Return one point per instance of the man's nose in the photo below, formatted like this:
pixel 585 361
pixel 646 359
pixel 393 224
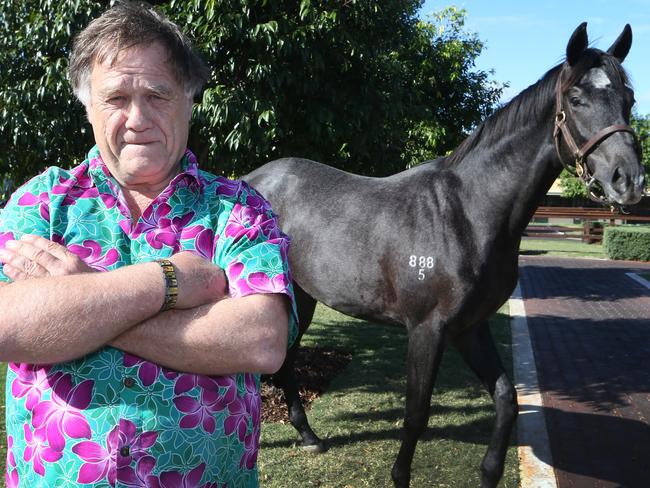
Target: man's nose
pixel 137 117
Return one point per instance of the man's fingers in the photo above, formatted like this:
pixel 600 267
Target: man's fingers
pixel 29 251
pixel 53 248
pixel 20 268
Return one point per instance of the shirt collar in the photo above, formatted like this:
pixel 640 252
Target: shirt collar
pixel 189 170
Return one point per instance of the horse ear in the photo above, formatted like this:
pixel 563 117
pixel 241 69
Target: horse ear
pixel 622 44
pixel 577 44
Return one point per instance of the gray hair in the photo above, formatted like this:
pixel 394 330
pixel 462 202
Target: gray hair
pixel 125 25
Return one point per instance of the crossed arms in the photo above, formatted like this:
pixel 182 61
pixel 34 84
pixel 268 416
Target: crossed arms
pixel 58 309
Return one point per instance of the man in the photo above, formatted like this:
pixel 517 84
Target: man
pixel 140 296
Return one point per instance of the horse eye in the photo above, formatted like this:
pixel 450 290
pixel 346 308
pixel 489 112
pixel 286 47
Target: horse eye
pixel 575 101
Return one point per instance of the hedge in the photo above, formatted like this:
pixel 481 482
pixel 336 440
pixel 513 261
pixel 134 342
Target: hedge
pixel 630 242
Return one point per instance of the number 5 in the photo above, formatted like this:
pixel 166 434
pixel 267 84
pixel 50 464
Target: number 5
pixel 421 274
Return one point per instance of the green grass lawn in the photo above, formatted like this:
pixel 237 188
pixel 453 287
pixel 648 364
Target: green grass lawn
pixel 361 414
pixel 566 248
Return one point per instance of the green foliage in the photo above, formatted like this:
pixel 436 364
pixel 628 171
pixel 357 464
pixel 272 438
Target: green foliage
pixel 627 242
pixel 362 85
pixel 40 123
pixel 572 187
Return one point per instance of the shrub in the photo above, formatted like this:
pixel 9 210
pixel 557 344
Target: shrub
pixel 627 242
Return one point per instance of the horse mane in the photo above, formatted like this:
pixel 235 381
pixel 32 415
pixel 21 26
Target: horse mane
pixel 534 99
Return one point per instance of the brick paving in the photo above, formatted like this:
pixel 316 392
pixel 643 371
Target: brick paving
pixel 590 332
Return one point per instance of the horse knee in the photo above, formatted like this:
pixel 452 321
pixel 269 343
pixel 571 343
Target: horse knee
pixel 505 398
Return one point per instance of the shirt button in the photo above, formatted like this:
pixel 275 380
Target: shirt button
pixel 128 382
pixel 124 452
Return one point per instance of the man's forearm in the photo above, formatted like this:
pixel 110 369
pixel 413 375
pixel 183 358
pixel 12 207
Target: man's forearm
pixel 233 335
pixel 57 319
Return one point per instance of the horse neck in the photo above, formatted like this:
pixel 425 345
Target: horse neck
pixel 508 174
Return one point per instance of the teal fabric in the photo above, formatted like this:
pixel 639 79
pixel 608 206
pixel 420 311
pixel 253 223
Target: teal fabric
pixel 114 419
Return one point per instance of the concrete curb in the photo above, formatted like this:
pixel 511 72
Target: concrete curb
pixel 534 446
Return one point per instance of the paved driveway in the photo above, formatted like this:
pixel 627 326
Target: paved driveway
pixel 589 326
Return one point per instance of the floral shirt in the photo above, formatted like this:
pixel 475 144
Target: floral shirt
pixel 114 419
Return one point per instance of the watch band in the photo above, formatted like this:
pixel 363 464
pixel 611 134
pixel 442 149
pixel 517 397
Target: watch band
pixel 171 284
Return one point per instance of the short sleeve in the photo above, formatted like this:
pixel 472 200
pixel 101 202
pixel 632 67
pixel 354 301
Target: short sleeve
pixel 26 212
pixel 254 252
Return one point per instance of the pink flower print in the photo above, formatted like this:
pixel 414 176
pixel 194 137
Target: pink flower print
pixel 244 409
pixel 251 449
pixel 11 460
pixel 197 412
pixel 131 446
pixel 258 203
pixel 186 381
pixel 237 419
pixel 148 372
pixel 212 399
pixel 140 476
pixel 99 463
pixel 31 381
pixel 204 244
pixel 238 288
pixel 78 186
pixel 36 450
pixel 151 218
pixel 259 282
pixel 62 414
pixel 58 238
pixel 229 188
pixel 91 253
pixel 122 446
pixel 28 199
pixel 245 221
pixel 11 478
pixel 161 230
pixel 4 237
pixel 174 479
pixel 252 401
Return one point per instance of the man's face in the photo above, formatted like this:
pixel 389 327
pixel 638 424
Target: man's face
pixel 140 116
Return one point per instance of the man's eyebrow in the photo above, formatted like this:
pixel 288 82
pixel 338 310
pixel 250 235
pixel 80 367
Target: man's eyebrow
pixel 160 89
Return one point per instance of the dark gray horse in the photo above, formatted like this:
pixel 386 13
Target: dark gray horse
pixel 435 248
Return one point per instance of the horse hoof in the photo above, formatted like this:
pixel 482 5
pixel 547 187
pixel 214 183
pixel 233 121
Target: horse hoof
pixel 315 448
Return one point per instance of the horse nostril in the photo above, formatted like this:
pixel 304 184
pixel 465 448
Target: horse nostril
pixel 616 177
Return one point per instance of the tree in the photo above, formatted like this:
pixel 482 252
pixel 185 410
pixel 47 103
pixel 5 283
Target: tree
pixel 572 187
pixel 359 84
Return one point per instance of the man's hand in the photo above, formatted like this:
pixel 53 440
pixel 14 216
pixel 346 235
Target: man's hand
pixel 199 281
pixel 36 257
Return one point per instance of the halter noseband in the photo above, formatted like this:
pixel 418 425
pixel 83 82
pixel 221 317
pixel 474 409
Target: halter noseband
pixel 581 153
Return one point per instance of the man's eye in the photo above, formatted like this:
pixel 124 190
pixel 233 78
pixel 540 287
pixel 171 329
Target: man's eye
pixel 116 99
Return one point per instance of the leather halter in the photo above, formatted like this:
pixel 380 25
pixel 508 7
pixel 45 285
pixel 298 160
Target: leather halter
pixel 581 153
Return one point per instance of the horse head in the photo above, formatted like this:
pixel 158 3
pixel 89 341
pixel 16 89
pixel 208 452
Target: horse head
pixel 593 104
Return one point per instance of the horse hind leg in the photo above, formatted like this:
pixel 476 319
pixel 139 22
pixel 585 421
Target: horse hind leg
pixel 479 352
pixel 285 377
pixel 425 347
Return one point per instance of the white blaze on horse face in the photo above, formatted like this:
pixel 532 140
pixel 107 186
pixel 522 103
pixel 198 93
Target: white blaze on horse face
pixel 597 78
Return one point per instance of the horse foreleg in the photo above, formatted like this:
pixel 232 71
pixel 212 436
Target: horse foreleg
pixel 425 346
pixel 479 352
pixel 286 379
